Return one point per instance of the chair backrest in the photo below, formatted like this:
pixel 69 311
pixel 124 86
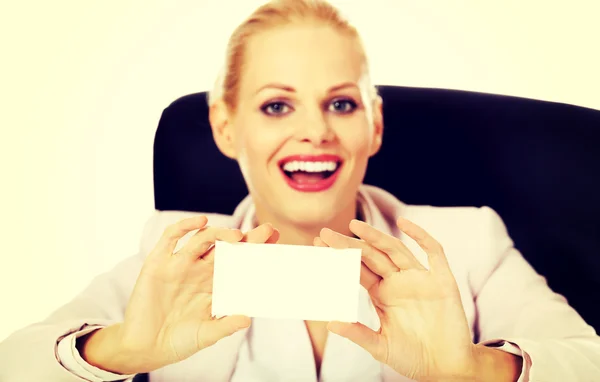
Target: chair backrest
pixel 536 163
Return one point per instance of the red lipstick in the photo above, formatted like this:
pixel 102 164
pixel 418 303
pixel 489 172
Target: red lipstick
pixel 311 181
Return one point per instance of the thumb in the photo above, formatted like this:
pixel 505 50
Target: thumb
pixel 222 327
pixel 360 334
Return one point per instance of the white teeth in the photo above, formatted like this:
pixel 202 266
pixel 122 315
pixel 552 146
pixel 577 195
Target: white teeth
pixel 294 166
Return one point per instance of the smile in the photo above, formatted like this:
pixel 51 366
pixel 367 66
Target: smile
pixel 310 173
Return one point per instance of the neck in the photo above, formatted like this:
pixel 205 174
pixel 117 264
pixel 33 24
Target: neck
pixel 291 232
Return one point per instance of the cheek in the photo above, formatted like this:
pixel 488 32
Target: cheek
pixel 258 143
pixel 356 139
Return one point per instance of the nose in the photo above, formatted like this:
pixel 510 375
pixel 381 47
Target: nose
pixel 315 129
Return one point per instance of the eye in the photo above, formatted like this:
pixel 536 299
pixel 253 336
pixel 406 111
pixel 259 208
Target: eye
pixel 275 108
pixel 342 106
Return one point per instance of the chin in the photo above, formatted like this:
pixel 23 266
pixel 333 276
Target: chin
pixel 313 211
pixel 307 220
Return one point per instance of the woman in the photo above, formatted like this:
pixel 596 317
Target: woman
pixel 296 109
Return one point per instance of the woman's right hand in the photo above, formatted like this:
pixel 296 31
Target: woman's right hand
pixel 168 318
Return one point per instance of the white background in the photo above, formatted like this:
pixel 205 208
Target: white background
pixel 83 83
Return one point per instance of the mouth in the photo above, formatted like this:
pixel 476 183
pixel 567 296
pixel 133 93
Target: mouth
pixel 311 173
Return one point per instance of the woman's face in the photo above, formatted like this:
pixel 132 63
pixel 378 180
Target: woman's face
pixel 301 131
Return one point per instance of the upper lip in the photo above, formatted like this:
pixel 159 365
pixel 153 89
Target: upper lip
pixel 310 158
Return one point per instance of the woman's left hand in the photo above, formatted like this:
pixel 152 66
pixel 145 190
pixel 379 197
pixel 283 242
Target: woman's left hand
pixel 424 333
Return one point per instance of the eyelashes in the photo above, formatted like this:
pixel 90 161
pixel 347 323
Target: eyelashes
pixel 343 106
pixel 277 108
pixel 281 108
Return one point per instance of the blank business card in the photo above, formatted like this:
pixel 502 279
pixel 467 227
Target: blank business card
pixel 286 281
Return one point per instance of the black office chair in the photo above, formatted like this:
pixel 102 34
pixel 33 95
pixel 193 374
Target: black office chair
pixel 536 163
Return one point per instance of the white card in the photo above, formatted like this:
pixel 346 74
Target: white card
pixel 286 281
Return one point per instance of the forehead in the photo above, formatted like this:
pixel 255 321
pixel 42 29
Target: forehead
pixel 302 56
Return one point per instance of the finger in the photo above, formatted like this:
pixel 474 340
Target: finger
pixel 259 234
pixel 274 237
pixel 433 249
pixel 368 279
pixel 265 233
pixel 204 239
pixel 361 335
pixel 377 261
pixel 317 242
pixel 174 232
pixel 253 236
pixel 220 328
pixel 400 255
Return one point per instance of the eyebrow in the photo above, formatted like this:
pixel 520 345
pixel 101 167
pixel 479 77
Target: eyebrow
pixel 292 90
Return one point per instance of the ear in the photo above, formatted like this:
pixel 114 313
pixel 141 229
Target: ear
pixel 222 129
pixel 377 138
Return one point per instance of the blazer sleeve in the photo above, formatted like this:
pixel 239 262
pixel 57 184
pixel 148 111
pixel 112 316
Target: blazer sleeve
pixel 517 311
pixel 31 353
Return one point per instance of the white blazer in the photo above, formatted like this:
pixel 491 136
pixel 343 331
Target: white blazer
pixel 506 302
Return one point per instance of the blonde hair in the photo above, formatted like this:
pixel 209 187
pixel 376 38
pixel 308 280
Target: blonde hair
pixel 277 13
